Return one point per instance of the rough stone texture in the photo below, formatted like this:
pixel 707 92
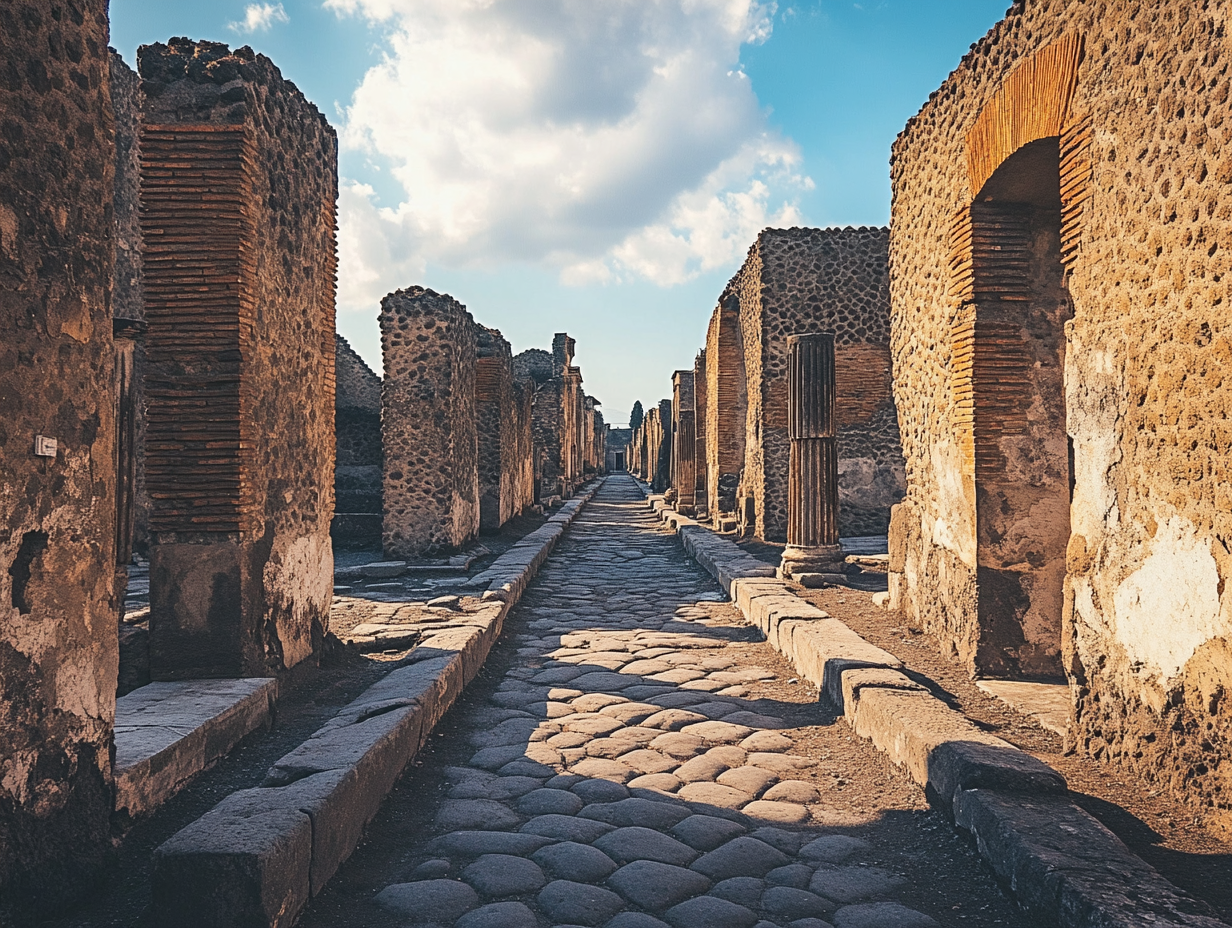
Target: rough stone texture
pixel 501 494
pixel 357 429
pixel 618 450
pixel 800 281
pixel 58 645
pixel 684 441
pixel 239 289
pixel 559 416
pixel 127 288
pixel 1140 623
pixel 699 434
pixel 428 426
pixel 726 406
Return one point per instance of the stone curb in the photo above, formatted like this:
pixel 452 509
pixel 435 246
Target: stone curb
pixel 1057 859
pixel 258 856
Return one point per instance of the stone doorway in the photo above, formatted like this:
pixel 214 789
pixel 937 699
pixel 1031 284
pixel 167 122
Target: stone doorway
pixel 1009 351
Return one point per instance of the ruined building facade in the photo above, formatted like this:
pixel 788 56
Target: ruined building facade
pixel 58 646
pixel 357 430
pixel 794 282
pixel 1060 218
pixel 239 184
pixel 506 444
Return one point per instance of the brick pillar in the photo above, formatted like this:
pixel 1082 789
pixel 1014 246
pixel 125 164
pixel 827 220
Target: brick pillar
pixel 431 479
pixel 494 411
pixel 684 442
pixel 700 492
pixel 238 190
pixel 127 333
pixel 812 481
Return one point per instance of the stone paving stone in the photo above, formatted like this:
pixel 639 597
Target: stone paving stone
pixel 637 811
pixel 679 745
pixel 648 761
pixel 712 794
pixel 431 870
pixel 496 757
pixel 673 720
pixel 744 890
pixel 566 828
pixel 710 912
pixel 635 842
pixel 499 915
pixel 566 901
pixel 785 813
pixel 786 902
pixel 602 769
pixel 752 780
pixel 504 875
pixel 597 702
pixel 600 790
pixel 466 814
pixel 743 856
pixel 658 782
pixel 706 832
pixel 796 876
pixel 550 801
pixel 766 741
pixel 578 862
pixel 630 713
pixel 635 920
pixel 833 849
pixel 792 791
pixel 854 884
pixel 881 915
pixel 442 901
pixel 718 732
pixel 704 769
pixel 477 843
pixel 652 885
pixel 809 923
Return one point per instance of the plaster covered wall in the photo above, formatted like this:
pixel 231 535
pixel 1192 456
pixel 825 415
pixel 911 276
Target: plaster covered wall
pixel 1144 170
pixel 797 281
pixel 239 187
pixel 428 423
pixel 58 641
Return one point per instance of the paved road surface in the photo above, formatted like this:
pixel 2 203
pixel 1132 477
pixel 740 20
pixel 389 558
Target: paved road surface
pixel 634 757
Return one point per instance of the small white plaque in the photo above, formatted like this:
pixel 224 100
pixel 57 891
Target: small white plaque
pixel 44 447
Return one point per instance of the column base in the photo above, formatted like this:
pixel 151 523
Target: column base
pixel 815 559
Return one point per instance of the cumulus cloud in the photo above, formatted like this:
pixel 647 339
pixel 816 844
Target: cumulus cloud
pixel 605 138
pixel 259 17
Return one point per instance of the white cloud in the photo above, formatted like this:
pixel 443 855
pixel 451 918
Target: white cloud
pixel 605 138
pixel 260 17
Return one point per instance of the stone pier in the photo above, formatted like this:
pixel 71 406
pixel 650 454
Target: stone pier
pixel 812 481
pixel 700 488
pixel 58 647
pixel 684 442
pixel 239 183
pixel 496 423
pixel 428 429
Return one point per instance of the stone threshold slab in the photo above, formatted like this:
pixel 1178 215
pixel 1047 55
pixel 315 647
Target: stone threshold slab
pixel 1059 861
pixel 1047 703
pixel 166 733
pixel 257 857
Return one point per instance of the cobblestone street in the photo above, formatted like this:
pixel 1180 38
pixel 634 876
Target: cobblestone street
pixel 635 756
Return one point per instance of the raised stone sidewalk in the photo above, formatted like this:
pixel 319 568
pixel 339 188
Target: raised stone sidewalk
pixel 1061 863
pixel 258 856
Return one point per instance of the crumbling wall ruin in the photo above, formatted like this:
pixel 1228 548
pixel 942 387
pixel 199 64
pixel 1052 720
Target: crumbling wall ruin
pixel 497 423
pixel 58 643
pixel 726 406
pixel 1109 117
pixel 799 281
pixel 239 185
pixel 428 423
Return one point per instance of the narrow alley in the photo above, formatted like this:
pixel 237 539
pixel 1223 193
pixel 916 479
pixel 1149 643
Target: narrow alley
pixel 635 755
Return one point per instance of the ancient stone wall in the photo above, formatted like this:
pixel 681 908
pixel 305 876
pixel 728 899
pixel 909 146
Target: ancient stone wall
pixel 620 450
pixel 726 407
pixel 684 433
pixel 1085 140
pixel 798 281
pixel 58 643
pixel 523 447
pixel 699 426
pixel 428 423
pixel 496 424
pixel 239 186
pixel 357 430
pixel 661 447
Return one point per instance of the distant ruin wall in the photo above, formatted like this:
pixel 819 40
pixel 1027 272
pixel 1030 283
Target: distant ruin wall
pixel 357 429
pixel 239 186
pixel 801 281
pixel 1127 104
pixel 496 425
pixel 58 643
pixel 428 423
pixel 726 406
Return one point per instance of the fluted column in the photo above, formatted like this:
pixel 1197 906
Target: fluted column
pixel 812 482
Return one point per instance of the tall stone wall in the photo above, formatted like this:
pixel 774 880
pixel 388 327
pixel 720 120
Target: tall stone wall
pixel 496 425
pixel 726 406
pixel 1083 140
pixel 357 432
pixel 798 281
pixel 523 447
pixel 428 423
pixel 684 434
pixel 58 643
pixel 239 186
pixel 700 413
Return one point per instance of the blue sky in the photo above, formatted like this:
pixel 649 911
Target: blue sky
pixel 592 166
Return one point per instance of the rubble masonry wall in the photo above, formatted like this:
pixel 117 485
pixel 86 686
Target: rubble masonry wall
pixel 58 643
pixel 357 431
pixel 428 423
pixel 1143 153
pixel 799 281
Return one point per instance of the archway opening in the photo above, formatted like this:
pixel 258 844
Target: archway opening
pixel 1021 449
